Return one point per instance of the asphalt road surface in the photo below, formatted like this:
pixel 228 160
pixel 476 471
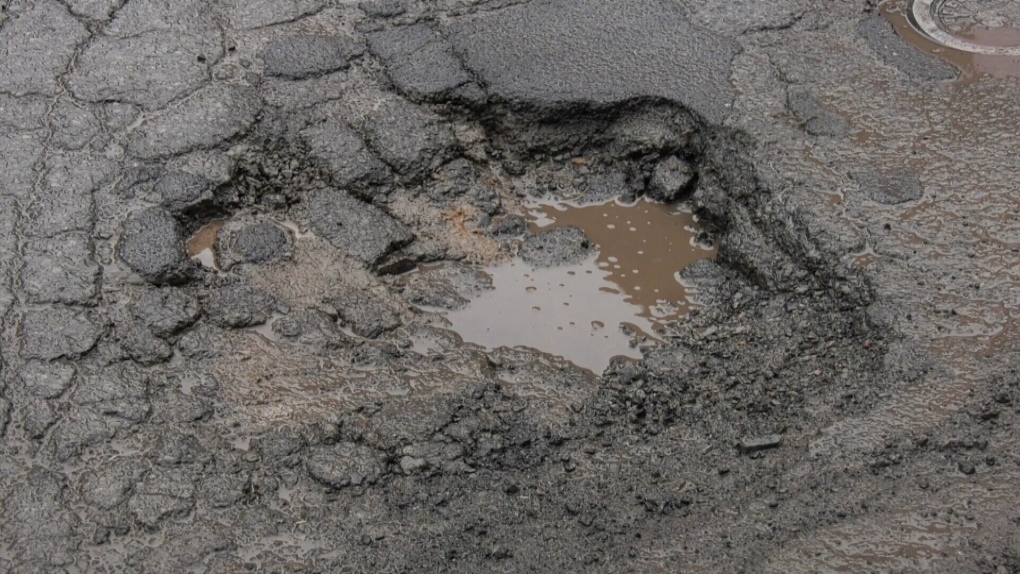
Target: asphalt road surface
pixel 232 231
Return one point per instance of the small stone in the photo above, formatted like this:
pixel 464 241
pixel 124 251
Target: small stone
pixel 501 553
pixel 989 414
pixel 966 467
pixel 672 178
pixel 259 243
pixel 151 245
pixel 410 464
pixel 561 246
pixel 750 445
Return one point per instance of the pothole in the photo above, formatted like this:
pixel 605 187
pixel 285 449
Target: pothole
pixel 604 307
pixel 980 37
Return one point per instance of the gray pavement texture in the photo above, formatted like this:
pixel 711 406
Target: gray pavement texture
pixel 844 398
pixel 422 64
pixel 569 53
pixel 298 57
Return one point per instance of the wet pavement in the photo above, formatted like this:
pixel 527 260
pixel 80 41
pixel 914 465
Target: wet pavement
pixel 359 380
pixel 959 39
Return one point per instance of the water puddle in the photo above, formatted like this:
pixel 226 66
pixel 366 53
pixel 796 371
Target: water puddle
pixel 980 42
pixel 602 308
pixel 202 245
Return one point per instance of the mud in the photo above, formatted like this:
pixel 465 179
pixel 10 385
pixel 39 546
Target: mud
pixel 844 396
pixel 202 245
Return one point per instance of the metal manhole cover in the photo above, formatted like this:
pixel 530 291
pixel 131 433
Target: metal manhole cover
pixel 978 26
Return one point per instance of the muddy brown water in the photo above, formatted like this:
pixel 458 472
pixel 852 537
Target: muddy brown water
pixel 603 308
pixel 972 65
pixel 202 245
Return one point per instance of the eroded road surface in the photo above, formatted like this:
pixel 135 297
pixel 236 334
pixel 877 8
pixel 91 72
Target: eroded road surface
pixel 328 286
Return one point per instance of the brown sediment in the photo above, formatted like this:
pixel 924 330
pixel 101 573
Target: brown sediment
pixel 972 65
pixel 202 245
pixel 600 309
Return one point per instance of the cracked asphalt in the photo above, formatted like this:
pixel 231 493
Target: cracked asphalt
pixel 844 398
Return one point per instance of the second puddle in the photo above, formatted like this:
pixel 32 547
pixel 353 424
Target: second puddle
pixel 583 312
pixel 202 245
